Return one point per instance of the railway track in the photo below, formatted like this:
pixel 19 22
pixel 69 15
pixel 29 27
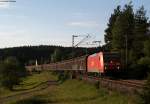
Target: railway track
pixel 127 86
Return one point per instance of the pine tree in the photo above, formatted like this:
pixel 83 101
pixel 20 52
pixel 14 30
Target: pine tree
pixel 140 34
pixel 122 32
pixel 11 72
pixel 147 48
pixel 145 96
pixel 56 56
pixel 108 31
pixel 123 28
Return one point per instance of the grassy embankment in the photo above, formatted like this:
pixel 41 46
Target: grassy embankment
pixel 29 83
pixel 69 92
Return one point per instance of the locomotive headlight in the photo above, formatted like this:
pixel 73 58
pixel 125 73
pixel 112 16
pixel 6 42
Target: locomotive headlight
pixel 118 67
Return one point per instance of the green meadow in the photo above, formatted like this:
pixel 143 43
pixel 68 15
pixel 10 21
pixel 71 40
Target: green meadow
pixel 43 88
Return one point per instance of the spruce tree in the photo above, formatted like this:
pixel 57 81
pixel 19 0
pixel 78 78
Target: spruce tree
pixel 140 34
pixel 108 32
pixel 145 96
pixel 11 72
pixel 122 32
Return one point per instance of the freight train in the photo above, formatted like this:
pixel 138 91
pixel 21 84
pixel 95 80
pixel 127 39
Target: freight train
pixel 101 62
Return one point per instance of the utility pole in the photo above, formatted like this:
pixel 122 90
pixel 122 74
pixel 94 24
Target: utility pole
pixel 126 39
pixel 73 36
pixel 99 43
pixel 83 40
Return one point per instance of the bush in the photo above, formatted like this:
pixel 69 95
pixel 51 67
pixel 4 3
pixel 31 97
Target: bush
pixel 144 65
pixel 145 96
pixel 62 76
pixel 137 71
pixel 97 84
pixel 145 61
pixel 11 72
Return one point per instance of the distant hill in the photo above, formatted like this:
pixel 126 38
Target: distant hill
pixel 42 53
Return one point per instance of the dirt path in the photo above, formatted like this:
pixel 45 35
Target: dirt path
pixel 41 89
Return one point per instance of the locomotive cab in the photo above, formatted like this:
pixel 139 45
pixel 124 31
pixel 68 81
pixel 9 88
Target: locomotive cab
pixel 103 62
pixel 112 62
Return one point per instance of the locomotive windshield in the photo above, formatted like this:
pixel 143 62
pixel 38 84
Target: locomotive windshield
pixel 109 57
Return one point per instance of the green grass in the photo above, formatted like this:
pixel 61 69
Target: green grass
pixel 78 92
pixel 35 80
pixel 29 83
pixel 68 92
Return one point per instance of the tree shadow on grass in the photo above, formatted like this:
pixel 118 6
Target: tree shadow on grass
pixel 40 100
pixel 77 100
pixel 43 85
pixel 51 99
pixel 46 83
pixel 27 84
pixel 34 100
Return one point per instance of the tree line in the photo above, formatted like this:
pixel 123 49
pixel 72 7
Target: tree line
pixel 44 53
pixel 13 60
pixel 128 32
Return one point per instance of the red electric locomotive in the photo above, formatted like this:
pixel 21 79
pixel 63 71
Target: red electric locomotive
pixel 103 62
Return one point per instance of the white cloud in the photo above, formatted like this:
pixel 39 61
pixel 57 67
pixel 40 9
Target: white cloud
pixel 79 15
pixel 84 24
pixel 12 34
pixel 19 16
pixel 4 5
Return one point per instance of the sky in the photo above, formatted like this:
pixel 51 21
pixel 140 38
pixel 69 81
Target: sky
pixel 53 22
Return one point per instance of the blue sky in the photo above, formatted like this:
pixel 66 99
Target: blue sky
pixel 53 22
